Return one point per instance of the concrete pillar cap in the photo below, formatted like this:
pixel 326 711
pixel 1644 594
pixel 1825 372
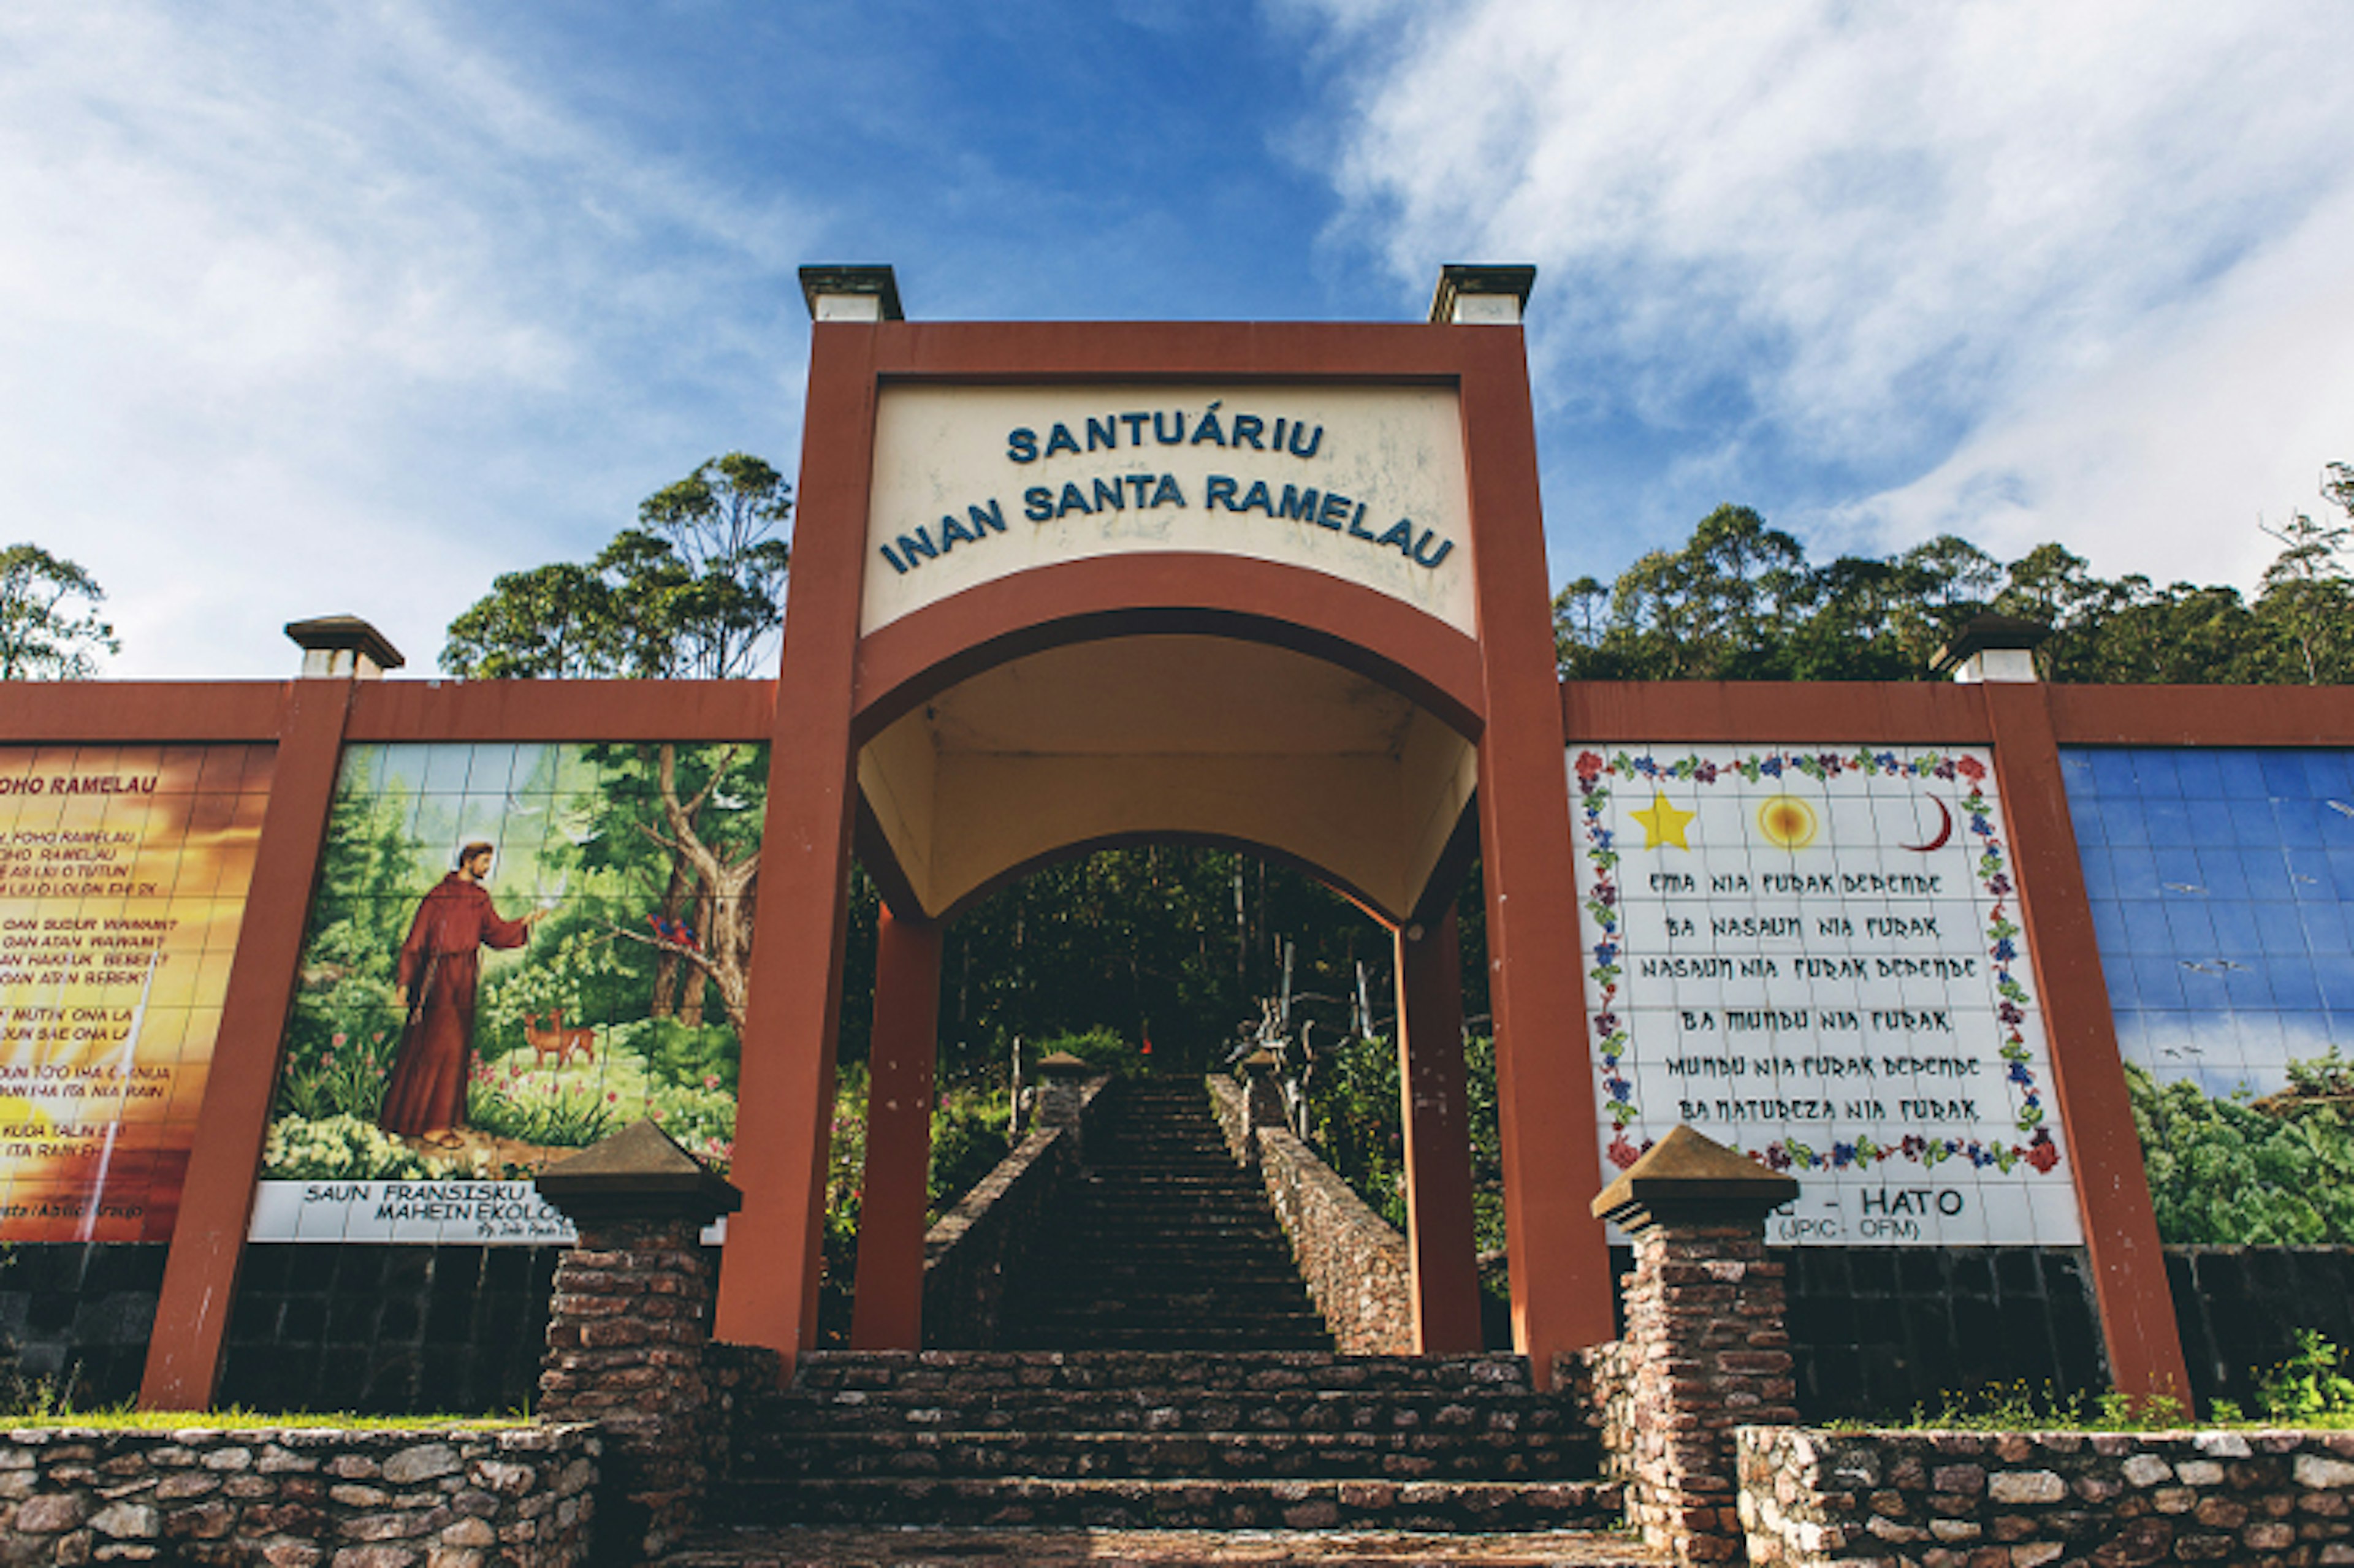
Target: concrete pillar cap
pixel 1687 1178
pixel 1505 289
pixel 1989 633
pixel 342 645
pixel 640 1172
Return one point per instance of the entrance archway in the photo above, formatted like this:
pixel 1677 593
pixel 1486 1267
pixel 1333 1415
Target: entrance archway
pixel 1220 737
pixel 1290 593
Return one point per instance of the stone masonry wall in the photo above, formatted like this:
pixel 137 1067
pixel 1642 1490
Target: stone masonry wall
pixel 975 1246
pixel 1704 1354
pixel 2023 1499
pixel 295 1499
pixel 1355 1263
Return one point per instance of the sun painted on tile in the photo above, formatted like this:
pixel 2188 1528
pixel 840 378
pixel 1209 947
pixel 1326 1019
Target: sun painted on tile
pixel 1787 823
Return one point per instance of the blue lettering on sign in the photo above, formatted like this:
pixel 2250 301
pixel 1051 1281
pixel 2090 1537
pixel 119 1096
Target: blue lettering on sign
pixel 1170 428
pixel 1327 509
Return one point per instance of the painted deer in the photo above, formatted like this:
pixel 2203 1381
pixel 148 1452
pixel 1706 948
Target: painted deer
pixel 556 1041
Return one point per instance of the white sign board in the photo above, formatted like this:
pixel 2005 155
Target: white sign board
pixel 432 1212
pixel 975 483
pixel 1813 954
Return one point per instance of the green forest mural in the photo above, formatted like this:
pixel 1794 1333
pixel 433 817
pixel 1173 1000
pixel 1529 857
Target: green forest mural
pixel 515 949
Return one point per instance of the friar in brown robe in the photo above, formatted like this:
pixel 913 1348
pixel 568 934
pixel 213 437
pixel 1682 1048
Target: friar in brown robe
pixel 426 1092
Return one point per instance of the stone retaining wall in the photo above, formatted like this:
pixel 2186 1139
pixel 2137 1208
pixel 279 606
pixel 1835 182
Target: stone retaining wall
pixel 296 1498
pixel 1355 1263
pixel 969 1252
pixel 2024 1498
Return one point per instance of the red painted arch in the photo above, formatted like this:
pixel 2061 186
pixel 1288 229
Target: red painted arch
pixel 1311 612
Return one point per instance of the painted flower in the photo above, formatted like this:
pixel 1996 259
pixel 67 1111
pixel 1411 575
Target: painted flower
pixel 1970 767
pixel 1590 766
pixel 1623 1154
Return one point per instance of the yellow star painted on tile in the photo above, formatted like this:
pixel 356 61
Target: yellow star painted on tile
pixel 1663 824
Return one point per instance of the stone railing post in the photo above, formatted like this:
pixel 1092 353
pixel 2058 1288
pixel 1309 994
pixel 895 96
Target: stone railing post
pixel 1263 1095
pixel 1706 1349
pixel 627 1329
pixel 1063 1081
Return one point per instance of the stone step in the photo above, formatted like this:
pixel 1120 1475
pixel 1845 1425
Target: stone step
pixel 1442 1506
pixel 1160 1410
pixel 1112 1334
pixel 1266 1373
pixel 817 1547
pixel 1167 1455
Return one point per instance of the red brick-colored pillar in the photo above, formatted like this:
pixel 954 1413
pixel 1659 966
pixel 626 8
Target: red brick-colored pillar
pixel 1439 1238
pixel 1705 1349
pixel 1544 1080
pixel 889 1312
pixel 2088 1077
pixel 183 1356
pixel 628 1326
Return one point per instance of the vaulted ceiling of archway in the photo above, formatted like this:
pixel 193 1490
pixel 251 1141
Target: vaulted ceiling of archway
pixel 1178 735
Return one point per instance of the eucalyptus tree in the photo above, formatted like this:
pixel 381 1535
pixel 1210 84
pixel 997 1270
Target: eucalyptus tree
pixel 50 626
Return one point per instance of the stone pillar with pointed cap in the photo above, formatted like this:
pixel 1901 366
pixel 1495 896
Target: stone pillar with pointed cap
pixel 1705 1349
pixel 628 1326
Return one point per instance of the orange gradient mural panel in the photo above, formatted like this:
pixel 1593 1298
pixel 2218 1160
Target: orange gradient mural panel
pixel 123 872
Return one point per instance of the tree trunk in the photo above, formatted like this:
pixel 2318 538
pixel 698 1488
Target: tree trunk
pixel 667 959
pixel 690 1003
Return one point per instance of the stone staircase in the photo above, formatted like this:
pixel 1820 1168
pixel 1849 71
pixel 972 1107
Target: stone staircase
pixel 1163 1242
pixel 1179 1388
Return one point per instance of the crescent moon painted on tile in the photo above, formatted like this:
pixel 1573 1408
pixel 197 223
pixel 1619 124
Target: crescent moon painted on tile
pixel 1945 830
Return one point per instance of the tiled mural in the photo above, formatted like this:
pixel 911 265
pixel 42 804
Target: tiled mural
pixel 2222 893
pixel 1814 954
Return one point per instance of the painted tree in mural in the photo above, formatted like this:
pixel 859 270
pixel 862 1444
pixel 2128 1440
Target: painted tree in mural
pixel 695 591
pixel 701 870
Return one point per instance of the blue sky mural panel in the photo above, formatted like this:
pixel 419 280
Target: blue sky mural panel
pixel 2220 882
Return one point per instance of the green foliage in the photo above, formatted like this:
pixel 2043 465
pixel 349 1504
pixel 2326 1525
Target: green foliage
pixel 970 1129
pixel 2309 1389
pixel 50 626
pixel 339 1148
pixel 545 1112
pixel 1356 1121
pixel 1739 601
pixel 694 590
pixel 2310 1385
pixel 2233 1172
pixel 969 1137
pixel 1106 1050
pixel 2019 1406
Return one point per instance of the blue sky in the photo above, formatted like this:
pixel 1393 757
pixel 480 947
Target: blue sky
pixel 351 307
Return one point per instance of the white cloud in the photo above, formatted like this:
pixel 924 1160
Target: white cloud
pixel 2061 256
pixel 305 312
